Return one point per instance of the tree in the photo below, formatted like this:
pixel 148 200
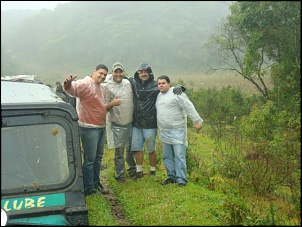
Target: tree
pixel 235 55
pixel 260 38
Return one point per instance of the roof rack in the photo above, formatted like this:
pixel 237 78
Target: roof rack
pixel 22 78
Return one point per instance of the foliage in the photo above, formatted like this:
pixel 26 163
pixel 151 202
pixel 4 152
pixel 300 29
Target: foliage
pixel 259 150
pixel 275 138
pixel 213 200
pixel 262 153
pixel 275 28
pixel 234 55
pixel 258 36
pixel 224 105
pixel 245 172
pixel 287 91
pixel 244 168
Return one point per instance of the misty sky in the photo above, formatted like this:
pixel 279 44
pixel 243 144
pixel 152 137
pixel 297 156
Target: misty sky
pixel 34 5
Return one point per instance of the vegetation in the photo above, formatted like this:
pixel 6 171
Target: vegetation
pixel 252 168
pixel 259 38
pixel 244 167
pixel 209 199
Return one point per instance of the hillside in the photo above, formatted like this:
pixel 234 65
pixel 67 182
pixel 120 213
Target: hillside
pixel 76 36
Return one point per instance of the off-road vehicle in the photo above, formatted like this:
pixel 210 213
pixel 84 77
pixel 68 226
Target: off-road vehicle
pixel 41 166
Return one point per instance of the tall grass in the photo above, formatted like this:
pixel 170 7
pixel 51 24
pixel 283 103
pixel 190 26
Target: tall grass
pixel 218 80
pixel 209 199
pixel 216 194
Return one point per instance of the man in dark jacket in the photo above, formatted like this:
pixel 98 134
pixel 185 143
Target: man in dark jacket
pixel 145 92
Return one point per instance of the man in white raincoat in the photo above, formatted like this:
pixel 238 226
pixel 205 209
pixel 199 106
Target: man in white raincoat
pixel 172 112
pixel 119 121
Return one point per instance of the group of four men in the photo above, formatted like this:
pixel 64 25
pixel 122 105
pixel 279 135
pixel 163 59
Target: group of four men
pixel 136 107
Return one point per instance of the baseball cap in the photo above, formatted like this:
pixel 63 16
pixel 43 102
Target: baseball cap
pixel 117 65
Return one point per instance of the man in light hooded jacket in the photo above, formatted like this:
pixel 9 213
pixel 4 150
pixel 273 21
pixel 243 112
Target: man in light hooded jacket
pixel 172 112
pixel 119 121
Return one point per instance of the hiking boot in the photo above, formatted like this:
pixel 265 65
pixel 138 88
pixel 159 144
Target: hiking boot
pixel 101 189
pixel 138 175
pixel 131 174
pixel 153 173
pixel 93 192
pixel 168 181
pixel 121 180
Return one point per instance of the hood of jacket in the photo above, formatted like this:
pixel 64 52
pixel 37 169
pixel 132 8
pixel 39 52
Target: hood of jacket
pixel 144 66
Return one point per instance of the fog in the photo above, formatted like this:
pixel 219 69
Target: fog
pixel 31 5
pixel 76 36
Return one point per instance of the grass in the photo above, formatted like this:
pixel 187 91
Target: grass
pixel 147 203
pixel 99 212
pixel 208 201
pixel 219 80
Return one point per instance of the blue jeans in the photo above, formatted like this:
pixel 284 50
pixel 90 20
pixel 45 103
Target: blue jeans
pixel 93 145
pixel 174 157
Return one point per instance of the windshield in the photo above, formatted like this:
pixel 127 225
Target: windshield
pixel 33 155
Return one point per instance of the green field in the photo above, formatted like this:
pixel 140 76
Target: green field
pixel 205 201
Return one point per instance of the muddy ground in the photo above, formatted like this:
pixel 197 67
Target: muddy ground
pixel 116 207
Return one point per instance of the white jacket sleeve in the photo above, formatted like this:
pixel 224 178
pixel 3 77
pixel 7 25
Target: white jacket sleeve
pixel 189 108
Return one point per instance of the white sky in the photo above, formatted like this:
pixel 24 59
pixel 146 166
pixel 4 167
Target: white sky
pixel 34 5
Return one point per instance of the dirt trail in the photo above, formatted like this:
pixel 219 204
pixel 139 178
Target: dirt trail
pixel 116 207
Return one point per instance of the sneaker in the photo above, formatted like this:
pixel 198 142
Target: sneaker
pixel 181 184
pixel 99 187
pixel 138 175
pixel 168 181
pixel 121 180
pixel 153 173
pixel 93 192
